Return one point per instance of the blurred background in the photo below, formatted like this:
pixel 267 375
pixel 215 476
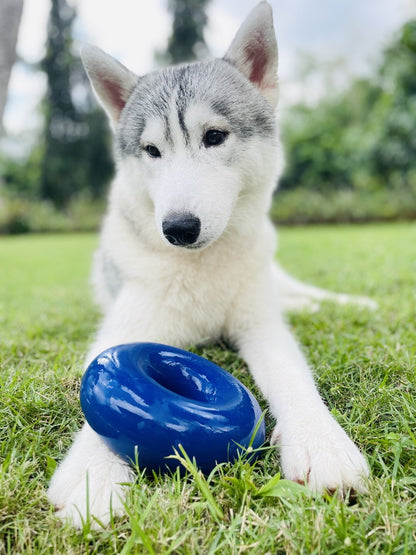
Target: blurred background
pixel 347 110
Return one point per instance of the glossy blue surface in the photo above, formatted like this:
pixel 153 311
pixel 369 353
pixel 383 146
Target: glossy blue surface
pixel 155 397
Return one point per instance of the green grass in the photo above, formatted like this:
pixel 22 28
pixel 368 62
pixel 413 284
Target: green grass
pixel 365 368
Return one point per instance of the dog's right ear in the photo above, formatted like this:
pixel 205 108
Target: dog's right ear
pixel 111 81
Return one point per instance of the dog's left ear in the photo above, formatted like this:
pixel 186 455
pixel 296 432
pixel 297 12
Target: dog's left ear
pixel 254 51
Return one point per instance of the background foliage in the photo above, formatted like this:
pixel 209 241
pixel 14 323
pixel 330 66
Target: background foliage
pixel 187 41
pixel 72 154
pixel 76 148
pixel 353 156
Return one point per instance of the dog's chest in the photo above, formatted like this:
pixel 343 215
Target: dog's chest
pixel 195 292
pixel 195 286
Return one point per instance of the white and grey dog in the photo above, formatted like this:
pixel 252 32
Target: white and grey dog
pixel 187 254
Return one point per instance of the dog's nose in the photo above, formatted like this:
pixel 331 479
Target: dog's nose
pixel 181 230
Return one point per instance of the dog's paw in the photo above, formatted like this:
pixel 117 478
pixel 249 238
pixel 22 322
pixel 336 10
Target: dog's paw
pixel 89 486
pixel 323 458
pixel 92 496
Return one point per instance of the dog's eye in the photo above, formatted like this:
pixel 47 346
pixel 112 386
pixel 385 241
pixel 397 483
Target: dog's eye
pixel 214 137
pixel 152 151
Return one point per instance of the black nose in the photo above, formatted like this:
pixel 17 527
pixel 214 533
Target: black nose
pixel 181 230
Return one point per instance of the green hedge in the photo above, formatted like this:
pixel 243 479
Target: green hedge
pixel 302 206
pixel 20 215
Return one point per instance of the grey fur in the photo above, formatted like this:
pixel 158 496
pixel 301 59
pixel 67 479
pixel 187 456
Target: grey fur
pixel 112 275
pixel 217 83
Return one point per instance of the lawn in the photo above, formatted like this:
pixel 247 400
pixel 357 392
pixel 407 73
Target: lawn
pixel 365 365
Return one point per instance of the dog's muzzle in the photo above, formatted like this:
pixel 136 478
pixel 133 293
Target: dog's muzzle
pixel 181 230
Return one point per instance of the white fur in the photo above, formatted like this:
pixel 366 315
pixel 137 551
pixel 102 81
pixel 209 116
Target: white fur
pixel 227 287
pixel 193 183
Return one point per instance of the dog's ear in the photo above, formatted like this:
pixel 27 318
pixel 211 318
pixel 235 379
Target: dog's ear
pixel 111 81
pixel 254 51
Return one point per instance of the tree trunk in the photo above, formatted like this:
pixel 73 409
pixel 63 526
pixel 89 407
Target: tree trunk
pixel 10 15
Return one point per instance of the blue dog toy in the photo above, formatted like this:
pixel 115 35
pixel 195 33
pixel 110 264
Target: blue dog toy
pixel 148 399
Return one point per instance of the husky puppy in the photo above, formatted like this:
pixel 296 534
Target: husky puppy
pixel 187 254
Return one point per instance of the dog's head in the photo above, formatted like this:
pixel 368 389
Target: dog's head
pixel 192 140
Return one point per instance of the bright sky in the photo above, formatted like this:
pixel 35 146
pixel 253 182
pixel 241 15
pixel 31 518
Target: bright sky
pixel 131 30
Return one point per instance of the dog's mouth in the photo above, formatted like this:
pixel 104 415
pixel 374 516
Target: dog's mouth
pixel 199 245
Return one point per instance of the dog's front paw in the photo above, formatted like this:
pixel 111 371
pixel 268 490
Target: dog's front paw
pixel 323 457
pixel 92 496
pixel 90 484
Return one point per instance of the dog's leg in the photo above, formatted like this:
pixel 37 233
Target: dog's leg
pixel 314 448
pixel 295 295
pixel 89 481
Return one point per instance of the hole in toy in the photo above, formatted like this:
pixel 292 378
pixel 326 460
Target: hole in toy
pixel 173 373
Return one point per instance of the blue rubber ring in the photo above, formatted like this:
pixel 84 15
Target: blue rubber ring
pixel 148 398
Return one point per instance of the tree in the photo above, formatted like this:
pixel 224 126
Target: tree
pixel 394 152
pixel 76 138
pixel 186 42
pixel 363 138
pixel 11 13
